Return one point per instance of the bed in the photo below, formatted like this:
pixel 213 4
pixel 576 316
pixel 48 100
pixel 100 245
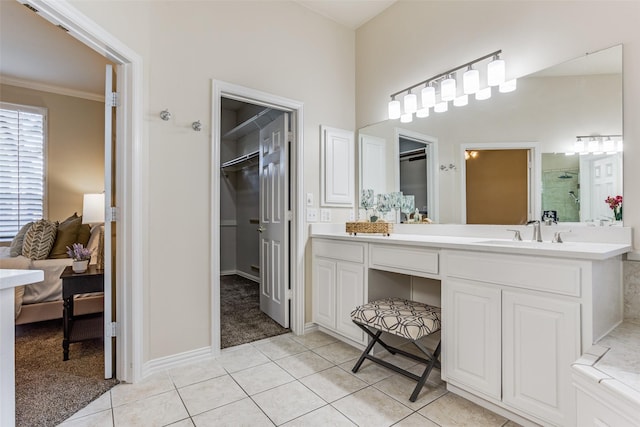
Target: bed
pixel 43 300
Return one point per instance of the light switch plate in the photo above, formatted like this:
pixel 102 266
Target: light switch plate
pixel 309 199
pixel 325 215
pixel 352 215
pixel 312 215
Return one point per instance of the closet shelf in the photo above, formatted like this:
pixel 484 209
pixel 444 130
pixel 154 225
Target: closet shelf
pixel 256 122
pixel 241 162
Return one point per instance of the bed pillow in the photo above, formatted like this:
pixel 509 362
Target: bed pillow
pixel 19 294
pixel 84 233
pixel 39 239
pixel 67 235
pixel 17 242
pixel 94 242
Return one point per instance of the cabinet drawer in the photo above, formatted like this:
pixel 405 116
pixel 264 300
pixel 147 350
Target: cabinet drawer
pixel 541 274
pixel 343 251
pixel 404 259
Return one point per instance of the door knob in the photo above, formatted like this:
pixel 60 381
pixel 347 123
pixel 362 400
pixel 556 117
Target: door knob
pixel 261 229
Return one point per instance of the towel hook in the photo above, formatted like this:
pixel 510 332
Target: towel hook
pixel 165 114
pixel 197 126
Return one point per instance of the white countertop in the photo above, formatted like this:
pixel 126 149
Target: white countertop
pixel 485 243
pixel 13 278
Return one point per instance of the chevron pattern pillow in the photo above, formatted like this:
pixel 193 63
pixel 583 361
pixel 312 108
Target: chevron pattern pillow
pixel 39 239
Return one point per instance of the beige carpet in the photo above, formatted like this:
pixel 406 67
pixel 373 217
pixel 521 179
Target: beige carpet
pixel 48 390
pixel 241 320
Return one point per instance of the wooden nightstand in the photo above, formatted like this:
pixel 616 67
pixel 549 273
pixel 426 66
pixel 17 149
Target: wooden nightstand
pixel 88 326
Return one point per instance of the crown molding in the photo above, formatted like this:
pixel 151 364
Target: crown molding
pixel 28 84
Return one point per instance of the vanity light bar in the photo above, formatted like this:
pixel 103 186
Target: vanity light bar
pixel 596 144
pixel 449 88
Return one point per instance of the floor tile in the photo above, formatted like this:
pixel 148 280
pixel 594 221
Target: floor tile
pixel 241 413
pixel 262 377
pixel 279 347
pixel 158 410
pixel 369 372
pixel 333 384
pixel 196 372
pixel 211 394
pixel 287 402
pixel 323 417
pixel 98 419
pixel 304 364
pixel 512 424
pixel 155 384
pixel 371 408
pixel 102 403
pixel 182 423
pixel 338 352
pixel 451 409
pixel 416 420
pixel 400 388
pixel 314 339
pixel 242 358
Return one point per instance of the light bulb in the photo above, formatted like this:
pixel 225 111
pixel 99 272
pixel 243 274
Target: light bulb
pixel 593 146
pixel 428 97
pixel 495 71
pixel 410 103
pixel 608 146
pixel 448 88
pixel 461 101
pixel 508 86
pixel 441 107
pixel 483 94
pixel 406 118
pixel 470 81
pixel 422 113
pixel 579 146
pixel 394 109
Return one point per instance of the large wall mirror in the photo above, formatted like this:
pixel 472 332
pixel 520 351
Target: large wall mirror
pixel 545 117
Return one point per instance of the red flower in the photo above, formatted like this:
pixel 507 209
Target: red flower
pixel 614 202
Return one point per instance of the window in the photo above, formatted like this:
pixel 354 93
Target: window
pixel 22 166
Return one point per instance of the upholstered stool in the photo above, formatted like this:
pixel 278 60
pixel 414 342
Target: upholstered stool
pixel 408 319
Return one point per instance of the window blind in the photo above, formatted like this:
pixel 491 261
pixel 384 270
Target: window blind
pixel 22 166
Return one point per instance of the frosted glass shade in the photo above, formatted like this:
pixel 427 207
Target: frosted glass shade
pixel 495 72
pixel 422 113
pixel 394 109
pixel 483 94
pixel 579 146
pixel 461 101
pixel 428 97
pixel 608 146
pixel 93 208
pixel 448 89
pixel 508 86
pixel 406 118
pixel 441 107
pixel 410 103
pixel 470 81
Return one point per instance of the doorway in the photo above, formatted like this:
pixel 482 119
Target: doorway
pixel 280 260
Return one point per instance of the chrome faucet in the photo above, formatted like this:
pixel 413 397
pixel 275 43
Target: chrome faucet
pixel 537 235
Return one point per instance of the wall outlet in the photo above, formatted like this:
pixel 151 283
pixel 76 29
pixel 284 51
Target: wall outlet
pixel 312 215
pixel 325 215
pixel 309 199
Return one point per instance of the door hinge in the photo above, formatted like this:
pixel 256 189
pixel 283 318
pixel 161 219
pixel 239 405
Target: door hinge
pixel 113 214
pixel 112 331
pixel 290 135
pixel 114 99
pixel 289 216
pixel 289 294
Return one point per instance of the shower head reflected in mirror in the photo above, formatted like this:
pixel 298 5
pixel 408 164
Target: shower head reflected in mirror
pixel 567 175
pixel 574 197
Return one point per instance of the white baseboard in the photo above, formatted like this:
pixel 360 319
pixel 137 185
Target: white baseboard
pixel 228 272
pixel 310 327
pixel 241 274
pixel 163 363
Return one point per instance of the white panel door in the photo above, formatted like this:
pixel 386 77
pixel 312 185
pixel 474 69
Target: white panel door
pixel 337 167
pixel 373 164
pixel 541 339
pixel 471 335
pixel 349 295
pixel 324 292
pixel 274 200
pixel 606 181
pixel 109 135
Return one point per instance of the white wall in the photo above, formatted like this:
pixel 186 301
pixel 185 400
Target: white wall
pixel 276 47
pixel 411 41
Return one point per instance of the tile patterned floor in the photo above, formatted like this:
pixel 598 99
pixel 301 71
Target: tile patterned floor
pixel 284 380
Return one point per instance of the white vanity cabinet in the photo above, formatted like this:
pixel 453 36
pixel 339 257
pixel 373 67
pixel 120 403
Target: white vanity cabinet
pixel 339 285
pixel 513 325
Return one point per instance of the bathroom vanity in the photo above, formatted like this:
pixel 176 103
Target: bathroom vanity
pixel 516 314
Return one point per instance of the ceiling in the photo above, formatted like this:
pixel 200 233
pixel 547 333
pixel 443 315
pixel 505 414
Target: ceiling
pixel 34 53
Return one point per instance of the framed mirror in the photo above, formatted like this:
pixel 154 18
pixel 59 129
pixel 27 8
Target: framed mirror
pixel 549 111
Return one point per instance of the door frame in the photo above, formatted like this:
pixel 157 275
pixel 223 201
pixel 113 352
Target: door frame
pixel 132 211
pixel 534 174
pixel 222 89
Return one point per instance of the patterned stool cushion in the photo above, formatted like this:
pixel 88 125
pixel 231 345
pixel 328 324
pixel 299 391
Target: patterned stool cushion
pixel 408 319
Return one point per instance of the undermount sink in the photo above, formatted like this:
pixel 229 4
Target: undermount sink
pixel 518 243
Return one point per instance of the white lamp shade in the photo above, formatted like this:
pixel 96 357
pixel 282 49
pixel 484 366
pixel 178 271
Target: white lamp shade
pixel 579 146
pixel 410 103
pixel 594 145
pixel 93 208
pixel 406 118
pixel 620 146
pixel 608 146
pixel 508 86
pixel 470 81
pixel 428 97
pixel 461 101
pixel 441 107
pixel 448 89
pixel 483 94
pixel 422 113
pixel 394 109
pixel 495 72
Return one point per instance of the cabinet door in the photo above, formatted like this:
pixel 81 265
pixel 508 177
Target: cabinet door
pixel 324 292
pixel 541 339
pixel 349 295
pixel 471 336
